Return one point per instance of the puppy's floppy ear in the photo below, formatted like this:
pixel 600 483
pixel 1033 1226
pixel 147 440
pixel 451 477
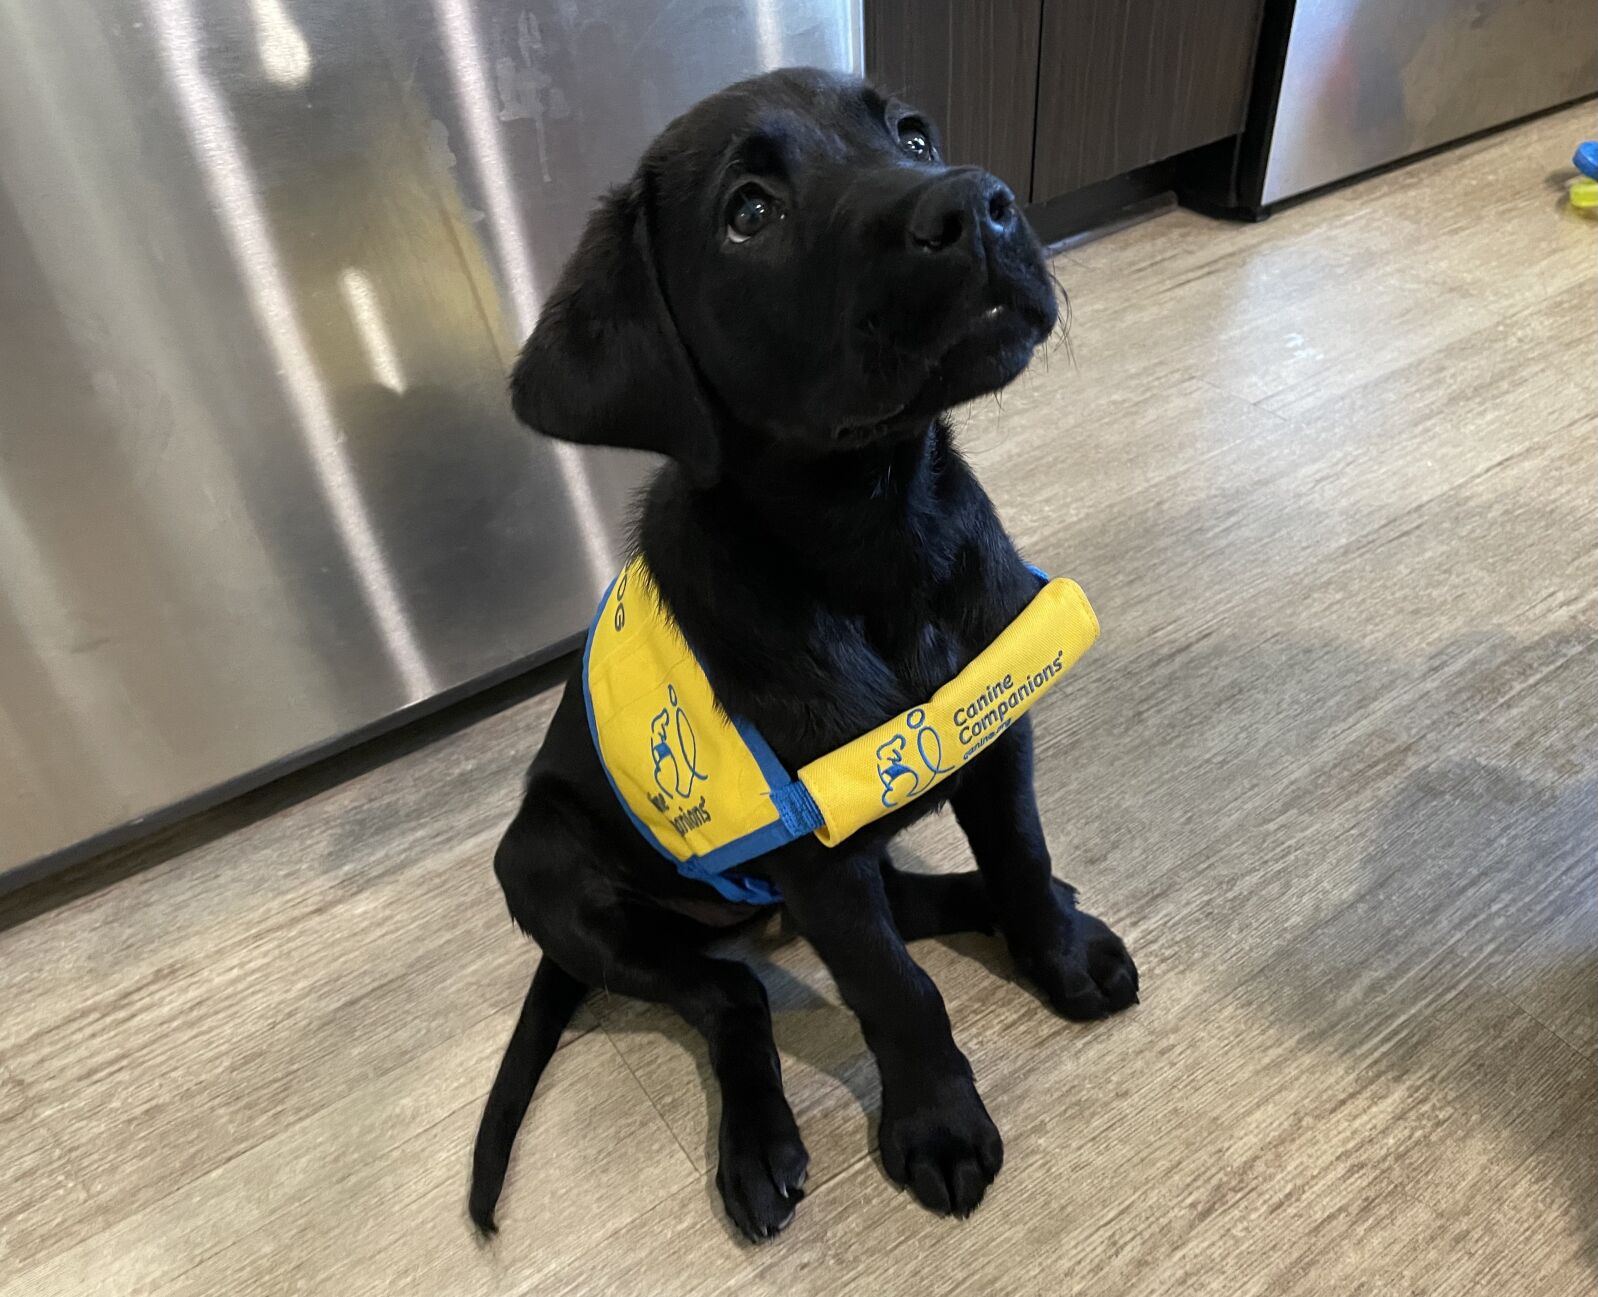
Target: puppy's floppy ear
pixel 605 365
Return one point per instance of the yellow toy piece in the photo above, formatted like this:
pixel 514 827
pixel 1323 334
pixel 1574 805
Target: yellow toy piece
pixel 1583 194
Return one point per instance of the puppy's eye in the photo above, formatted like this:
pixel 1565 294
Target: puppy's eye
pixel 749 211
pixel 913 140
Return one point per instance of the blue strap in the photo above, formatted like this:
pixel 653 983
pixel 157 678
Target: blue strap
pixel 743 888
pixel 800 814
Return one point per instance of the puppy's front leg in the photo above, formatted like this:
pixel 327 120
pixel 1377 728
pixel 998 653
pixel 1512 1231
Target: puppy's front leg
pixel 1072 957
pixel 936 1137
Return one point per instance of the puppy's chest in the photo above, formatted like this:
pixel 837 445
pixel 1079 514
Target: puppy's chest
pixel 869 673
pixel 920 658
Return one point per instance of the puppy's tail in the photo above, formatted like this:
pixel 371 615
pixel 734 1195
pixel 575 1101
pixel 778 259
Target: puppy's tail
pixel 551 1000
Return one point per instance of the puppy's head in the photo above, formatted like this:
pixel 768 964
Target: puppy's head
pixel 794 268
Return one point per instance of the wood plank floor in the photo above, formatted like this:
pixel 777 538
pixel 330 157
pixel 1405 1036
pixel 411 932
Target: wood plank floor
pixel 1330 481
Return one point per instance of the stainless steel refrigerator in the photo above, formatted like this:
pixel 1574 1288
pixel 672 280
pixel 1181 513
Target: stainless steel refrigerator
pixel 1345 86
pixel 263 267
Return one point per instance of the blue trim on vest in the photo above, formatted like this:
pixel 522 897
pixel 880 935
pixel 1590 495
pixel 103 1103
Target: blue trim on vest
pixel 714 866
pixel 774 772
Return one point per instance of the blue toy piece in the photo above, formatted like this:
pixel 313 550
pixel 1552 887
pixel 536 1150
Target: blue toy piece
pixel 1586 158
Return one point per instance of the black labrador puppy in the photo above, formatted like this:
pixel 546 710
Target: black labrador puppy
pixel 784 300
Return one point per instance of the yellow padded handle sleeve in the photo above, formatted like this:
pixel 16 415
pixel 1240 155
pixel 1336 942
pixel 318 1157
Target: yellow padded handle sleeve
pixel 904 758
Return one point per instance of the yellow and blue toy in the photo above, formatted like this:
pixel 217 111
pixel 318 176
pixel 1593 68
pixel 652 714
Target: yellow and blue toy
pixel 706 790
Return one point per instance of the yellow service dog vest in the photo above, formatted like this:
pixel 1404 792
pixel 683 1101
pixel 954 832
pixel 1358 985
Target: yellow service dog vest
pixel 706 790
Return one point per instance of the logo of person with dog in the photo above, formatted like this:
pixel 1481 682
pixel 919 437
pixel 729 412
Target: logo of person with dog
pixel 900 780
pixel 674 749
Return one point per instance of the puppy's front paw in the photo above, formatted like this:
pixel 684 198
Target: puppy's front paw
pixel 1085 972
pixel 761 1171
pixel 943 1147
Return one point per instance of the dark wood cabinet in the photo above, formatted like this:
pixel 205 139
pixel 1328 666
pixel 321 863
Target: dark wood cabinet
pixel 973 66
pixel 1123 83
pixel 1056 96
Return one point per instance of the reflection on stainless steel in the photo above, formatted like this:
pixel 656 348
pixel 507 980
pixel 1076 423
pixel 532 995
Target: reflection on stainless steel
pixel 768 24
pixel 263 266
pixel 473 97
pixel 284 54
pixel 230 180
pixel 475 100
pixel 361 298
pixel 1367 82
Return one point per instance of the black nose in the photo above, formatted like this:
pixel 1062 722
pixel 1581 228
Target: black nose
pixel 956 208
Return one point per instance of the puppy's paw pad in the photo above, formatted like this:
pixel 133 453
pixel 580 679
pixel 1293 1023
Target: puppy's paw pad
pixel 1090 975
pixel 947 1153
pixel 761 1177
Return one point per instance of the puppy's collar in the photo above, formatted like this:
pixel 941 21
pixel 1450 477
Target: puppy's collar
pixel 706 790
